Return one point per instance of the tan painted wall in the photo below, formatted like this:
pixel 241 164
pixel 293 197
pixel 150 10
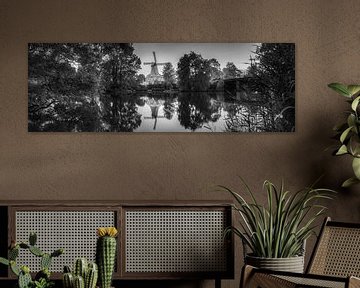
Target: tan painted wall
pixel 179 166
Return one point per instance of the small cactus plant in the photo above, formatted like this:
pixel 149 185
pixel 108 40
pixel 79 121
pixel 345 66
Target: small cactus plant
pixel 85 275
pixel 106 254
pixel 42 278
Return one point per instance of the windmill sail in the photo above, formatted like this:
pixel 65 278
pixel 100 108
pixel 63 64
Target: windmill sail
pixel 154 77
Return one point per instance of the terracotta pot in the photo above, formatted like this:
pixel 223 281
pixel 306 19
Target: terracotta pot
pixel 291 264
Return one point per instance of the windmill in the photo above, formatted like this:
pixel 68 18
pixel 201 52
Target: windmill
pixel 154 77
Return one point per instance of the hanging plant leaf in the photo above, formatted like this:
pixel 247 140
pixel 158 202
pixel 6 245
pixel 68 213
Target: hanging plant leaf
pixel 342 150
pixel 353 89
pixel 349 182
pixel 356 167
pixel 340 88
pixel 355 103
pixel 345 134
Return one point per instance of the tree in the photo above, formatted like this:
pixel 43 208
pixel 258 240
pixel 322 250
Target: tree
pixel 231 71
pixel 169 74
pixel 62 85
pixel 193 72
pixel 274 79
pixel 215 72
pixel 119 67
pixel 82 87
pixel 140 79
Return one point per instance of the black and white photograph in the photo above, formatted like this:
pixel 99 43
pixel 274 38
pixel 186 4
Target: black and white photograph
pixel 161 87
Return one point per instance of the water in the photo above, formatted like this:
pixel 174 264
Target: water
pixel 191 112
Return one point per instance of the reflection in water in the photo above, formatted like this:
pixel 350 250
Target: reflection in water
pixel 154 105
pixel 181 112
pixel 120 113
pixel 197 109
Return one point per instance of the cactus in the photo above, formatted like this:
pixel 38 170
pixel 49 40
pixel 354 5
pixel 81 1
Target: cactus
pixel 14 268
pixel 89 272
pixel 24 278
pixel 57 252
pixel 36 251
pixel 45 261
pixel 105 254
pixel 80 267
pixel 91 276
pixel 67 269
pixel 79 282
pixel 4 261
pixel 32 238
pixel 68 280
pixel 13 253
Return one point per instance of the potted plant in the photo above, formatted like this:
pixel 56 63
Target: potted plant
pixel 348 133
pixel 276 233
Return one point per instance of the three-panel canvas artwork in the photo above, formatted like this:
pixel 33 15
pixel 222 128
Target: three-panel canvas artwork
pixel 161 87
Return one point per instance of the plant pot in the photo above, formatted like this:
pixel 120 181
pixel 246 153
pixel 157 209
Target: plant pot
pixel 291 264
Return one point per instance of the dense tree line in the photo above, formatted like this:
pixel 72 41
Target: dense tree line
pixel 79 87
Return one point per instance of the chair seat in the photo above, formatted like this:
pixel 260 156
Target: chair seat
pixel 268 279
pixel 315 282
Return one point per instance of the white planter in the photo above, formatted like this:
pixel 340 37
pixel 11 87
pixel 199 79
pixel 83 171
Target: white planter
pixel 291 264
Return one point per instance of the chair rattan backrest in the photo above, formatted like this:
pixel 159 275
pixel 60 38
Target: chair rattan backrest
pixel 337 252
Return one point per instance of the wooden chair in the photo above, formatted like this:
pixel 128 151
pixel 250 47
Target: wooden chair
pixel 334 263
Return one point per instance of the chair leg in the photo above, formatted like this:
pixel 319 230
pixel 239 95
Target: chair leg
pixel 246 274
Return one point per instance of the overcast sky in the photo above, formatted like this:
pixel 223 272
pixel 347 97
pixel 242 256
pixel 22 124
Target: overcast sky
pixel 238 53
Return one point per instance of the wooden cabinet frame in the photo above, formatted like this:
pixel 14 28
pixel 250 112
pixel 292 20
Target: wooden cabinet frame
pixel 120 208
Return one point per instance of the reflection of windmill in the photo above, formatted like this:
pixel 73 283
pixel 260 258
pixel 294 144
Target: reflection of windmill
pixel 154 77
pixel 154 106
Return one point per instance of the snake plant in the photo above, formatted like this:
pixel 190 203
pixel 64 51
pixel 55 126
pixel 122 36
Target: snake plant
pixel 279 228
pixel 348 132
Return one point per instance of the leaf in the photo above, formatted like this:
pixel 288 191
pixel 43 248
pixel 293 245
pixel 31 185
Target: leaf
pixel 355 103
pixel 354 144
pixel 351 120
pixel 349 182
pixel 342 150
pixel 356 167
pixel 4 261
pixel 345 134
pixel 340 89
pixel 353 89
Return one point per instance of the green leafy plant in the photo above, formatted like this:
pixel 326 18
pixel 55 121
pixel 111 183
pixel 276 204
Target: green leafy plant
pixel 348 133
pixel 42 278
pixel 279 229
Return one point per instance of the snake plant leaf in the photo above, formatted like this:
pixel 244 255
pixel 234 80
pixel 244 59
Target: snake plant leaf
pixel 342 150
pixel 356 167
pixel 355 103
pixel 349 182
pixel 340 89
pixel 353 89
pixel 278 228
